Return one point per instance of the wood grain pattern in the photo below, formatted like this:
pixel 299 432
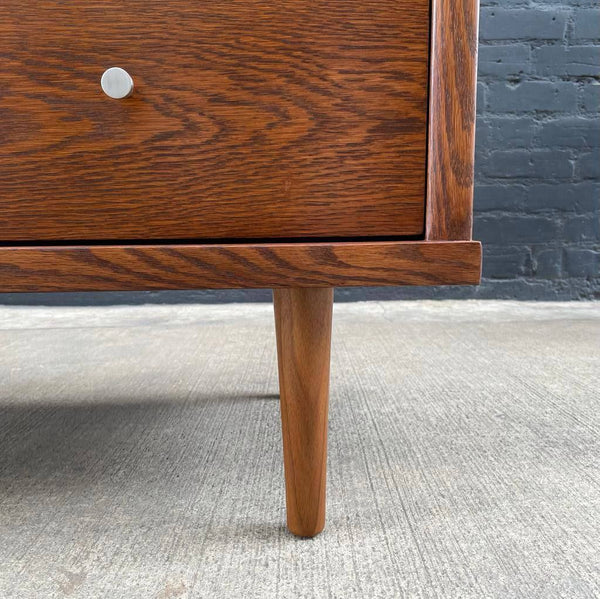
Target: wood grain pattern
pixel 250 119
pixel 303 329
pixel 451 149
pixel 122 268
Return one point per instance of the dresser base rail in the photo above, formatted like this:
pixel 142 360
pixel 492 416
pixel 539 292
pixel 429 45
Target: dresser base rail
pixel 264 265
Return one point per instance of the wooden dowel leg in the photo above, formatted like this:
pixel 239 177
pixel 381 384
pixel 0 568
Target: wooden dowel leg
pixel 303 328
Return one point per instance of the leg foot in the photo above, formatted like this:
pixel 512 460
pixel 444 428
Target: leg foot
pixel 303 327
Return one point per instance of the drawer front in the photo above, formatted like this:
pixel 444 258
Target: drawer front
pixel 249 119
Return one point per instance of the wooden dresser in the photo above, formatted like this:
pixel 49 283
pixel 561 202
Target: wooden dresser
pixel 293 145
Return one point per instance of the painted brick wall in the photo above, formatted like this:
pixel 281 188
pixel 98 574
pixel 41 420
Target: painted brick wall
pixel 537 164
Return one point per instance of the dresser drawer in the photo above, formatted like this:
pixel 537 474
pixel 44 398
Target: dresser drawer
pixel 249 119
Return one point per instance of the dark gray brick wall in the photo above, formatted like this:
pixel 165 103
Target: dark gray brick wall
pixel 537 163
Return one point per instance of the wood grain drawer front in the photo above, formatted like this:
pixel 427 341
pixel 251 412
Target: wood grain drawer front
pixel 249 119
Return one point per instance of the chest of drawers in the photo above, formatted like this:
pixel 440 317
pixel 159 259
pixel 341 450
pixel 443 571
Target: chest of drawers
pixel 292 145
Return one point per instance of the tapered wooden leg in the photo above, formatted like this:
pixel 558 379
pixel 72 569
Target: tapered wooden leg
pixel 303 327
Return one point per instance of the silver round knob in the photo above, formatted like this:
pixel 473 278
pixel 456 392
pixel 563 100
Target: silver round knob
pixel 116 83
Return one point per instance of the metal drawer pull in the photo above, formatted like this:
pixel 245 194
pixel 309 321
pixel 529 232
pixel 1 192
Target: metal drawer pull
pixel 116 83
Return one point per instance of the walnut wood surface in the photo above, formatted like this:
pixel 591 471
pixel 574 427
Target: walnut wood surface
pixel 303 327
pixel 452 119
pixel 114 268
pixel 250 119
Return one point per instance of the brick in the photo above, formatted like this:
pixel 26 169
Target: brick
pixel 510 131
pixel 507 24
pixel 501 61
pixel 588 165
pixel 562 61
pixel 571 132
pixel 547 263
pixel 540 164
pixel 506 262
pixel 582 262
pixel 563 197
pixel 532 96
pixel 586 24
pixel 498 197
pixel 515 229
pixel 505 3
pixel 582 228
pixel 572 3
pixel 508 164
pixel 591 97
pixel 482 134
pixel 481 98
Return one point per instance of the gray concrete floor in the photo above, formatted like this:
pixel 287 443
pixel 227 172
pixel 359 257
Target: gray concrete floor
pixel 140 453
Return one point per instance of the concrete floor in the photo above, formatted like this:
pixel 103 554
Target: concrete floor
pixel 140 454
